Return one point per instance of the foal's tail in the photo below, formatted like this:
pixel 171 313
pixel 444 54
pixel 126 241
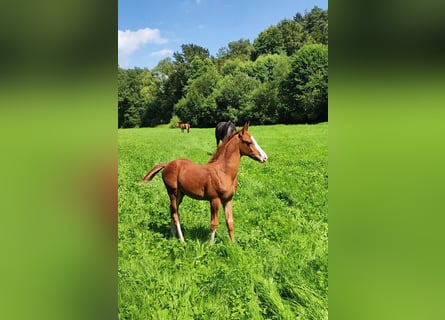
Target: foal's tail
pixel 152 172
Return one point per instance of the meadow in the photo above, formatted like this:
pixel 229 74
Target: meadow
pixel 277 267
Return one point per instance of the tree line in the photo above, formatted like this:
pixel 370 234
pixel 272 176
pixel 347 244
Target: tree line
pixel 282 77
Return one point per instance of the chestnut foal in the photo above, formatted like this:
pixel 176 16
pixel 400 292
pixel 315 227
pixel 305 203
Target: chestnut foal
pixel 215 181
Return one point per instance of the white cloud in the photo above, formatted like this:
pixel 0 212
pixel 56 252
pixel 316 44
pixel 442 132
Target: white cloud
pixel 130 41
pixel 161 53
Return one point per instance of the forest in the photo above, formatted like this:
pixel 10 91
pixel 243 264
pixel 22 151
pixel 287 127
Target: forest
pixel 280 78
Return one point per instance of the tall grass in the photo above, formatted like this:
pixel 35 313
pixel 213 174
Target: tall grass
pixel 277 268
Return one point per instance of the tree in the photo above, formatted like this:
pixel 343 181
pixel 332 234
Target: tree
pixel 151 86
pixel 240 49
pixel 316 24
pixel 198 105
pixel 281 77
pixel 232 67
pixel 233 96
pixel 122 103
pixel 298 17
pixel 269 41
pixel 173 89
pixel 130 98
pixel 294 35
pixel 271 70
pixel 304 93
pixel 190 51
pixel 164 68
pixel 270 67
pixel 265 106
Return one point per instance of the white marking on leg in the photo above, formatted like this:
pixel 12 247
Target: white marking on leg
pixel 263 154
pixel 212 237
pixel 178 229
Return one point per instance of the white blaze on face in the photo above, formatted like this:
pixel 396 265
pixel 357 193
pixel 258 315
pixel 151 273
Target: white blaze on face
pixel 263 154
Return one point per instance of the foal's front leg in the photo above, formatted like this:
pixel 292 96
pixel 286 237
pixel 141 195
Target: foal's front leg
pixel 215 204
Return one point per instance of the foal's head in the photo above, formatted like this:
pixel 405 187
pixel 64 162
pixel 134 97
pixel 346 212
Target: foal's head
pixel 249 147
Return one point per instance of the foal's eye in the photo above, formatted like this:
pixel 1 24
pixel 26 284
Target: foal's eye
pixel 248 142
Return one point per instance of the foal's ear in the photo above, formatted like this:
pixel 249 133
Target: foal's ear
pixel 246 126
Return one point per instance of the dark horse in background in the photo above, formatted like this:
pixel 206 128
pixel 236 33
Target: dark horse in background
pixel 184 126
pixel 224 129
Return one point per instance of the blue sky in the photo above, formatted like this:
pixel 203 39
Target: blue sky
pixel 150 30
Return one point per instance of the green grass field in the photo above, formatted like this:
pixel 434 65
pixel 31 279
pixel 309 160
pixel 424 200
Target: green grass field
pixel 276 269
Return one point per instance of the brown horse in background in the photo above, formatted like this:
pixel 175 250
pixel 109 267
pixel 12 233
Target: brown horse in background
pixel 215 181
pixel 184 126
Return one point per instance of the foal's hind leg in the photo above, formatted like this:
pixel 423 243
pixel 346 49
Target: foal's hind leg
pixel 229 218
pixel 175 201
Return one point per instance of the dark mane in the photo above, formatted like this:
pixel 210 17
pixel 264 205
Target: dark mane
pixel 222 146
